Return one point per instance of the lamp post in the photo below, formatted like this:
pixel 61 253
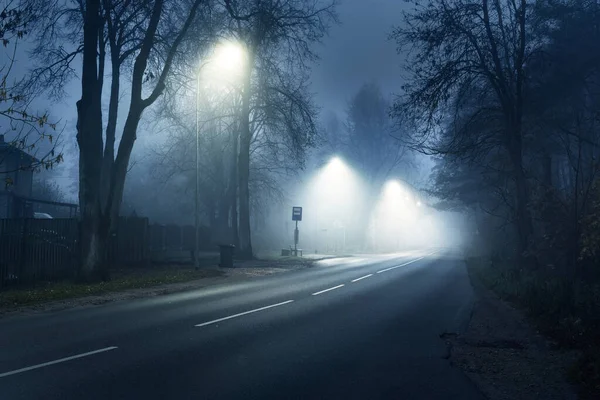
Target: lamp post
pixel 197 191
pixel 229 59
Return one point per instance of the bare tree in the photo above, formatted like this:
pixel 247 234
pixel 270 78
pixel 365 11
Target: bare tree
pixel 278 37
pixel 369 141
pixel 280 132
pixel 140 36
pixel 217 138
pixel 461 47
pixel 21 128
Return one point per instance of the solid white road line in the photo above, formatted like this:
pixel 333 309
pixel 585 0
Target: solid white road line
pixel 363 277
pixel 18 371
pixel 327 290
pixel 244 313
pixel 401 265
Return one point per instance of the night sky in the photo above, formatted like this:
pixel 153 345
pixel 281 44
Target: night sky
pixel 358 51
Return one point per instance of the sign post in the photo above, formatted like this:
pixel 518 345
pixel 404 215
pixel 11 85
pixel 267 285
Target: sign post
pixel 296 216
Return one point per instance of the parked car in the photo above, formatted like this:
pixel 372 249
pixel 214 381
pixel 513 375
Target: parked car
pixel 40 215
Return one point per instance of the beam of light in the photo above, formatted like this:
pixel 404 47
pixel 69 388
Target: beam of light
pixel 342 216
pixel 395 218
pixel 333 203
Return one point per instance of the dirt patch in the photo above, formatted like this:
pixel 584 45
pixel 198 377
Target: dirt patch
pixel 505 357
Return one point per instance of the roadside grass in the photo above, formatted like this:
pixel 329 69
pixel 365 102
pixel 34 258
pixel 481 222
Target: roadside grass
pixel 121 280
pixel 273 255
pixel 281 259
pixel 278 259
pixel 566 311
pixel 269 255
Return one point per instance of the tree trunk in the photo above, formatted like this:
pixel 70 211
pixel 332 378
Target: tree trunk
pixel 121 164
pixel 111 128
pixel 525 227
pixel 233 192
pixel 245 242
pixel 99 207
pixel 222 231
pixel 524 222
pixel 93 239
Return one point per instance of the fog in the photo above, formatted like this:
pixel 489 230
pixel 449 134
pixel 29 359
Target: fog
pixel 342 216
pixel 398 127
pixel 361 188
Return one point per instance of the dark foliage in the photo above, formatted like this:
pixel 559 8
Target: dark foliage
pixel 506 95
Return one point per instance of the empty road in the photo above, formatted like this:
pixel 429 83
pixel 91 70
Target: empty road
pixel 365 327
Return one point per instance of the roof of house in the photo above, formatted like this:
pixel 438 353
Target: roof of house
pixel 9 148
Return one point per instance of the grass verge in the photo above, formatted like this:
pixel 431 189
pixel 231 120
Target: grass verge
pixel 121 281
pixel 566 311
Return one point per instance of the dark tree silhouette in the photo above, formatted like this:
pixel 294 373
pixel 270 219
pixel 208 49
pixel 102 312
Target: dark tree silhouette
pixel 462 48
pixel 278 36
pixel 141 37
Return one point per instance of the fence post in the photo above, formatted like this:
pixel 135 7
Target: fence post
pixel 79 248
pixel 23 254
pixel 3 251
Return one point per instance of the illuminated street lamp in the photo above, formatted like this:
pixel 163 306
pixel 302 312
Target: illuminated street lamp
pixel 224 67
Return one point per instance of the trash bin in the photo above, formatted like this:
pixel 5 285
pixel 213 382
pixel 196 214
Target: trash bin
pixel 227 251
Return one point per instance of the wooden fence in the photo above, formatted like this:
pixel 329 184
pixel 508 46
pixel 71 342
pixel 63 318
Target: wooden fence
pixel 47 249
pixel 129 243
pixel 32 249
pixel 174 237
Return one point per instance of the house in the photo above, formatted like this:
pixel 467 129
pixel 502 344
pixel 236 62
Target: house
pixel 16 180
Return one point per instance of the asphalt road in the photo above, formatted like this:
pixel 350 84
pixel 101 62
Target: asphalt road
pixel 356 328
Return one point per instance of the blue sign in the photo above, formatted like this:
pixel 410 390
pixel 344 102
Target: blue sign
pixel 296 213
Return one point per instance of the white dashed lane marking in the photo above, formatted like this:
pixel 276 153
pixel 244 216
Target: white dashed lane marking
pixel 327 290
pixel 361 278
pixel 401 265
pixel 244 313
pixel 61 360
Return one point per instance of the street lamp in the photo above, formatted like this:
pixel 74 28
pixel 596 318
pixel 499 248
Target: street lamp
pixel 228 65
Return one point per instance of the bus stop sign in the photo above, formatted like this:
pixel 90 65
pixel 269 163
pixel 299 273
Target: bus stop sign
pixel 296 213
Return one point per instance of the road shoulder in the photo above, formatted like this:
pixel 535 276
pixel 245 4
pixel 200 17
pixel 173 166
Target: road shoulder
pixel 504 356
pixel 206 277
